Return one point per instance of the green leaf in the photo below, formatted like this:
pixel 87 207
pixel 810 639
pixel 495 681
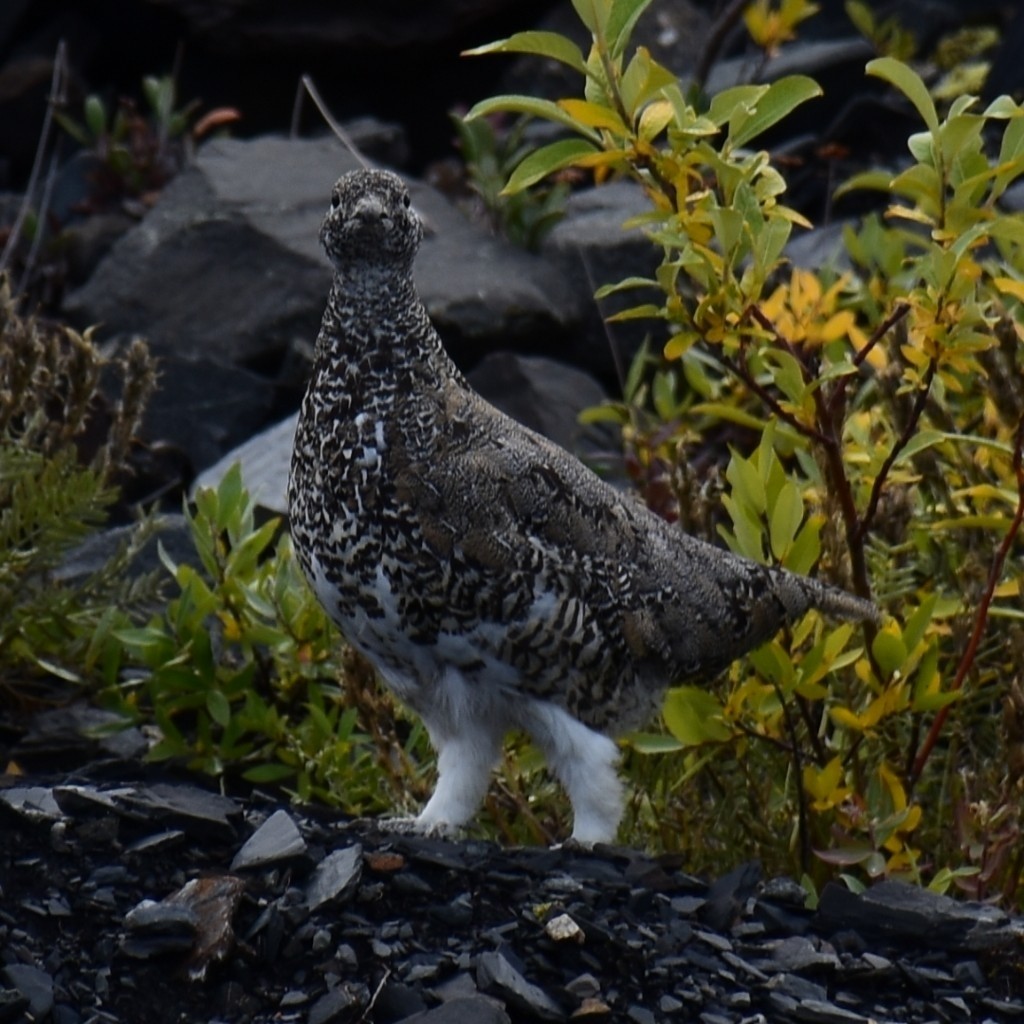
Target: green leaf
pixel 543 44
pixel 904 78
pixel 95 117
pixel 653 743
pixel 73 128
pixel 534 107
pixel 621 22
pixel 889 650
pixel 593 14
pixel 218 707
pixel 695 716
pixel 805 549
pixel 785 518
pixel 546 160
pixel 268 773
pixel 779 101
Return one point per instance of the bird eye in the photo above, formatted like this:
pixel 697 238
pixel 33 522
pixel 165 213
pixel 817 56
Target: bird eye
pixel 406 201
pixel 335 201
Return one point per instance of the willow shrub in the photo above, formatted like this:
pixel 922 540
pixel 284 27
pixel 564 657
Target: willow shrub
pixel 875 426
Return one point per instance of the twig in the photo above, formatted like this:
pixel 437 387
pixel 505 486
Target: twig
pixel 901 310
pixel 720 30
pixel 55 98
pixel 981 616
pixel 44 206
pixel 346 140
pixel 744 374
pixel 901 442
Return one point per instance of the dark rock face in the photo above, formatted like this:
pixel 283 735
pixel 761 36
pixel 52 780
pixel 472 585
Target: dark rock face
pixel 159 901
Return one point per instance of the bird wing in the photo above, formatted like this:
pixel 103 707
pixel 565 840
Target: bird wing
pixel 538 521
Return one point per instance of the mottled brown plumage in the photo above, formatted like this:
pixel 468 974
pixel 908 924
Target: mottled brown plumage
pixel 494 581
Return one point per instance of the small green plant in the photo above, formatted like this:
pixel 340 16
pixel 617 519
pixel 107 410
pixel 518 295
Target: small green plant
pixel 870 422
pixel 138 152
pixel 888 36
pixel 242 674
pixel 490 152
pixel 54 492
pixel 772 23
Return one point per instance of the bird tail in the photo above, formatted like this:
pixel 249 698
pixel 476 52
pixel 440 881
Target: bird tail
pixel 799 593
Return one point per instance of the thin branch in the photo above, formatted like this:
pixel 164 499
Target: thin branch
pixel 55 99
pixel 981 616
pixel 901 442
pixel 901 310
pixel 716 38
pixel 744 374
pixel 44 207
pixel 346 140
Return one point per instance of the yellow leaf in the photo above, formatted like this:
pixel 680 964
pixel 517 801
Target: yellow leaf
pixel 893 785
pixel 1009 286
pixel 593 115
pixel 845 717
pixel 655 118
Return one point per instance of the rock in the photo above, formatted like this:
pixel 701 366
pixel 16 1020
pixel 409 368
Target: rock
pixel 228 264
pixel 545 395
pixel 798 954
pixel 338 873
pixel 154 929
pixel 591 247
pixel 170 531
pixel 35 803
pixel 225 279
pixel 907 912
pixel 562 928
pixel 78 730
pixel 276 839
pixel 496 976
pixel 819 248
pixel 213 901
pixel 542 394
pixel 203 408
pixel 264 460
pixel 343 1003
pixel 727 895
pixel 196 811
pixel 462 1010
pixel 34 984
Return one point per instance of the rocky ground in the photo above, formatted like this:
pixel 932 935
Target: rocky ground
pixel 128 896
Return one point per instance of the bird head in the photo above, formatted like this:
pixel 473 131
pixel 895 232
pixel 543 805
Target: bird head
pixel 371 222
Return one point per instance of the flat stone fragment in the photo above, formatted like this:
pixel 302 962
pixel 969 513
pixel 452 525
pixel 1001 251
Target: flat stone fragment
pixel 276 839
pixel 197 811
pixel 156 929
pixel 798 953
pixel 817 1011
pixel 34 984
pixel 338 873
pixel 910 912
pixel 36 803
pixel 344 1003
pixel 495 975
pixel 462 1010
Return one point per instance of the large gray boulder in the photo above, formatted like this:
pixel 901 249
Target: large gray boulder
pixel 226 280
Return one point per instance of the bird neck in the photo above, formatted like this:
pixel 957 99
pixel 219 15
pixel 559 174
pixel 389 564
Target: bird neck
pixel 375 327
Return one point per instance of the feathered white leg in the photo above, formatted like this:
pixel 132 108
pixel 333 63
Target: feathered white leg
pixel 584 762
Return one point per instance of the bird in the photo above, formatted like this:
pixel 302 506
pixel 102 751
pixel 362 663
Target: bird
pixel 495 582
